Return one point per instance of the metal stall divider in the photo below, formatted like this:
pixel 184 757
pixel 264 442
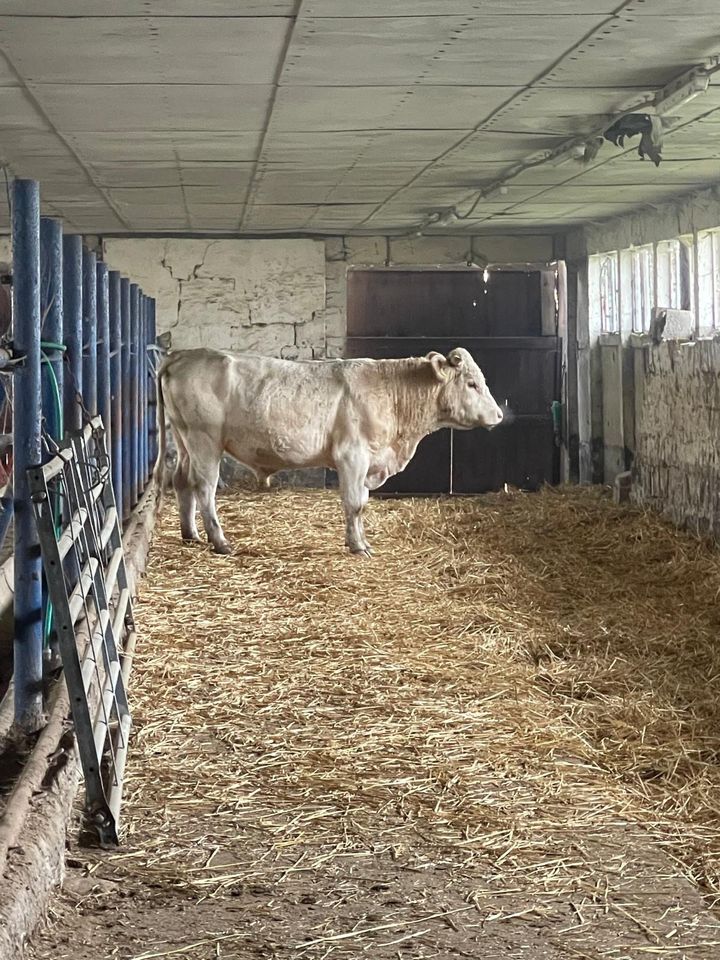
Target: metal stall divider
pixel 28 641
pixel 100 598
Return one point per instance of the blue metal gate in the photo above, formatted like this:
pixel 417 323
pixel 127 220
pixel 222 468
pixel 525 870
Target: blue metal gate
pixel 81 342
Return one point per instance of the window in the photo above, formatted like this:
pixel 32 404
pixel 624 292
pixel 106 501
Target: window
pixel 609 299
pixel 675 274
pixel 709 281
pixel 636 284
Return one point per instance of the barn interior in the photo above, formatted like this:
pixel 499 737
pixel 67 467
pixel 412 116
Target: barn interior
pixel 498 737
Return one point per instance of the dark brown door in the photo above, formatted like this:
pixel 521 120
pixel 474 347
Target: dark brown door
pixel 497 317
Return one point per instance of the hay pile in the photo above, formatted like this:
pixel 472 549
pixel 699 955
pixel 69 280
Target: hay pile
pixel 515 706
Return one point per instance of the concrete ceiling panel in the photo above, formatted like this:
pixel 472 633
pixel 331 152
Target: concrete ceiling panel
pixel 186 147
pixel 17 111
pixel 642 52
pixel 433 50
pixel 204 50
pixel 231 195
pixel 300 108
pixel 98 108
pixel 150 8
pixel 461 8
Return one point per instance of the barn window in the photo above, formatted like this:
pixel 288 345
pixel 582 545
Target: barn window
pixel 675 274
pixel 636 282
pixel 609 293
pixel 709 281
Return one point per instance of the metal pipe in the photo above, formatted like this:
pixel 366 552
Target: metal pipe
pixel 115 384
pixel 90 333
pixel 152 401
pixel 126 399
pixel 134 399
pixel 141 393
pixel 144 388
pixel 51 376
pixel 51 306
pixel 27 453
pixel 72 329
pixel 103 349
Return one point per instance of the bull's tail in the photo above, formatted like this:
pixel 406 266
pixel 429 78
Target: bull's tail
pixel 159 469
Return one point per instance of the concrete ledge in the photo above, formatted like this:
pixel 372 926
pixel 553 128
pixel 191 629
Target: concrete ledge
pixel 34 825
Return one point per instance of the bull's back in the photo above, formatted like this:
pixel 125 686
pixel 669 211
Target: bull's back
pixel 262 410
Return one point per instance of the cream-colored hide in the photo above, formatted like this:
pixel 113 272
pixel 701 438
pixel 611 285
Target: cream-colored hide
pixel 364 418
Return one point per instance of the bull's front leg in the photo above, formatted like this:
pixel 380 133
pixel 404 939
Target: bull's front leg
pixel 354 495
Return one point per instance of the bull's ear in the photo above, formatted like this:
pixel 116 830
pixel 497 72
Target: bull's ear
pixel 455 358
pixel 439 364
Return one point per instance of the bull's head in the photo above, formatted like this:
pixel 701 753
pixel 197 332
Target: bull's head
pixel 464 399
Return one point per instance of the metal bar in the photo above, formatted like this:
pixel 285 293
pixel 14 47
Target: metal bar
pixel 125 493
pixel 146 394
pixel 115 382
pixel 142 389
pixel 152 400
pixel 51 305
pixel 72 328
pixel 90 332
pixel 51 375
pixel 105 707
pixel 71 533
pixel 6 512
pixel 134 398
pixel 115 796
pixel 108 523
pixel 103 348
pixel 27 453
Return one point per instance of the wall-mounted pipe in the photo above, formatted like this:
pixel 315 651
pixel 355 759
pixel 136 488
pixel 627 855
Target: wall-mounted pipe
pixel 51 309
pixel 126 399
pixel 115 321
pixel 90 333
pixel 152 400
pixel 134 398
pixel 72 329
pixel 28 662
pixel 103 349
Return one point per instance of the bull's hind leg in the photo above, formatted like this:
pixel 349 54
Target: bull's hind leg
pixel 354 495
pixel 185 496
pixel 204 474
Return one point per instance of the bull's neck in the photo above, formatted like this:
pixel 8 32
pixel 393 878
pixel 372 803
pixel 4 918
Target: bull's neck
pixel 416 409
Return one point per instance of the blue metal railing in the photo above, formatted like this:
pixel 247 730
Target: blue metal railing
pixel 80 345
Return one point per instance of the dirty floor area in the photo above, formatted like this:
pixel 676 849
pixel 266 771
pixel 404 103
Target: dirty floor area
pixel 499 738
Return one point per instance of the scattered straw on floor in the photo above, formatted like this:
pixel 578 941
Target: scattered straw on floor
pixel 509 720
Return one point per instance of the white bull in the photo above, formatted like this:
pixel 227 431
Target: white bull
pixel 364 418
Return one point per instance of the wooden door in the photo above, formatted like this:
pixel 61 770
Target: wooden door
pixel 497 317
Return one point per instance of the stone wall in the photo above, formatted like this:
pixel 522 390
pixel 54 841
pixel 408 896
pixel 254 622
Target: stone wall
pixel 264 296
pixel 676 467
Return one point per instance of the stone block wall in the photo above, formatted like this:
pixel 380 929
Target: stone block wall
pixel 676 468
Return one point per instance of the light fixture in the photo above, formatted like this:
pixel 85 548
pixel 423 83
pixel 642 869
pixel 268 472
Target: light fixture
pixel 573 151
pixel 497 190
pixel 682 90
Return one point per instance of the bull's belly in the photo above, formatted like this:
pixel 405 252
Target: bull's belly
pixel 271 457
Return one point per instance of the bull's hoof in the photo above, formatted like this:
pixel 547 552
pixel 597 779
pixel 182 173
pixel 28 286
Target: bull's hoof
pixel 361 552
pixel 191 539
pixel 223 548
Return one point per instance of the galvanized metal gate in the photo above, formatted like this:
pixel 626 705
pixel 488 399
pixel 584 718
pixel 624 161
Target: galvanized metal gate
pixel 84 566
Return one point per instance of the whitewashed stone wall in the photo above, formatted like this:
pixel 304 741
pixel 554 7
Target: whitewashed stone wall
pixel 677 432
pixel 259 296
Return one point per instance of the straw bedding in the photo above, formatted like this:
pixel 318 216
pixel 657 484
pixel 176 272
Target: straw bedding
pixel 499 737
